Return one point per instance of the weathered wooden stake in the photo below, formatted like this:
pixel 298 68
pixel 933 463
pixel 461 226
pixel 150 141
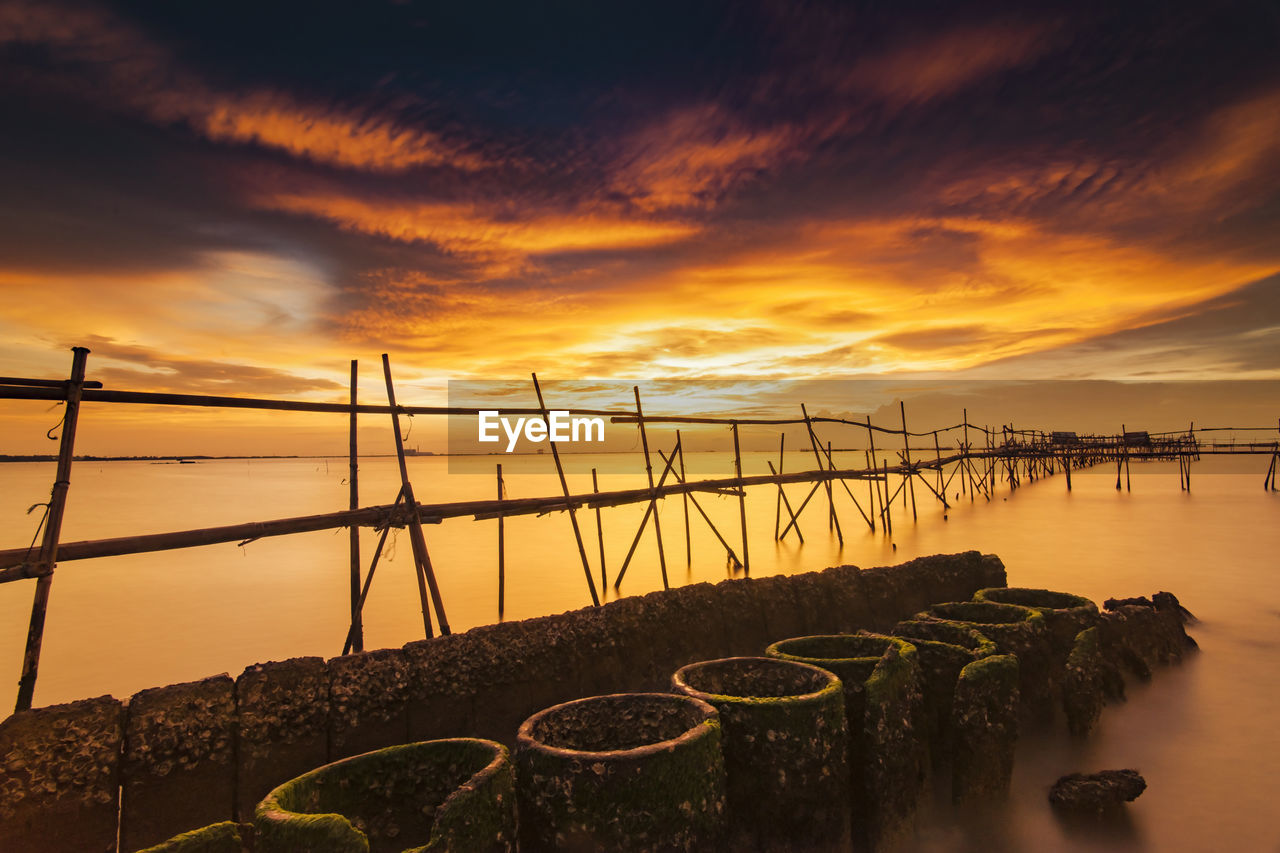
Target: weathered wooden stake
pixel 357 623
pixel 782 498
pixel 653 503
pixel 417 541
pixel 832 521
pixel 906 449
pixel 595 489
pixel 729 550
pixel 688 548
pixel 52 529
pixel 502 549
pixel 564 486
pixel 742 501
pixel 777 501
pixel 349 644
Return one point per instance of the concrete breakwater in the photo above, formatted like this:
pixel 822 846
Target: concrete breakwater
pixel 175 758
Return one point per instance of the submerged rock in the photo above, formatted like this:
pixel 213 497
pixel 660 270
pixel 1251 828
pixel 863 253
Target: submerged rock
pixel 1097 792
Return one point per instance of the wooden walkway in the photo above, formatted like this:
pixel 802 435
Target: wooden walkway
pixel 962 460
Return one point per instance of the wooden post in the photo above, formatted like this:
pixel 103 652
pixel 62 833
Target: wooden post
pixel 937 455
pixel 888 505
pixel 688 548
pixel 871 489
pixel 906 449
pixel 817 456
pixel 368 578
pixel 742 500
pixel 782 498
pixel 653 502
pixel 357 623
pixel 875 466
pixel 502 550
pixel 573 518
pixel 52 529
pixel 777 501
pixel 595 489
pixel 649 511
pixel 418 542
pixel 728 550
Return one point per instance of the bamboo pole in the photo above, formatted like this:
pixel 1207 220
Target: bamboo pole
pixel 688 547
pixel 742 501
pixel 649 511
pixel 888 505
pixel 871 493
pixel 777 501
pixel 564 486
pixel 906 449
pixel 368 578
pixel 831 466
pixel 52 529
pixel 502 550
pixel 357 623
pixel 795 518
pixel 653 503
pixel 782 497
pixel 15 563
pixel 832 521
pixel 417 541
pixel 728 549
pixel 595 490
pixel 968 462
pixel 875 466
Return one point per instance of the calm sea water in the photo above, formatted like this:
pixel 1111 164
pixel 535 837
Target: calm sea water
pixel 1204 734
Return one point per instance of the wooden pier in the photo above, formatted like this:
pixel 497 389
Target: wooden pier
pixel 964 460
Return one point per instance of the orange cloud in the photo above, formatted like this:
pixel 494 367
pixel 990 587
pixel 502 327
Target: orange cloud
pixel 464 228
pixel 690 158
pixel 146 78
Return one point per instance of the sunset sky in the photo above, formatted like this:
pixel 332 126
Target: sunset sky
pixel 239 198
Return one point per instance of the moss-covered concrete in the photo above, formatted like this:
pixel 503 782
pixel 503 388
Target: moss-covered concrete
pixel 447 795
pixel 179 761
pixel 223 837
pixel 1015 630
pixel 944 649
pixel 634 771
pixel 60 777
pixel 1082 686
pixel 885 713
pixel 785 750
pixel 283 716
pixel 986 728
pixel 1065 614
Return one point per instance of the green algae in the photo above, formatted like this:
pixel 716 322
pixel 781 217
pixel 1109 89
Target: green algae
pixel 453 794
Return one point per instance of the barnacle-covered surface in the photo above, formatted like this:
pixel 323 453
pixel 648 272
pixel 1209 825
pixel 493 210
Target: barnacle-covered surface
pixel 179 760
pixel 943 649
pixel 284 720
pixel 1015 630
pixel 1144 636
pixel 1083 683
pixel 1065 614
pixel 894 763
pixel 368 696
pixel 986 728
pixel 785 750
pixel 637 771
pixel 60 777
pixel 455 795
